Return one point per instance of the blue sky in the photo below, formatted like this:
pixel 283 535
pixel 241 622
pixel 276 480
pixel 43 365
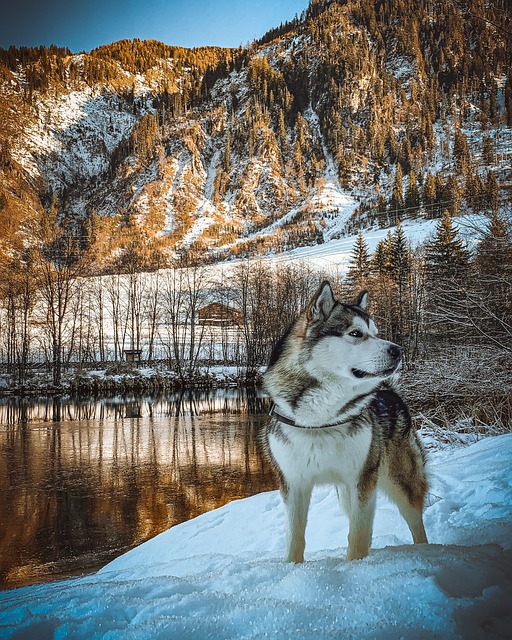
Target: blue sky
pixel 83 25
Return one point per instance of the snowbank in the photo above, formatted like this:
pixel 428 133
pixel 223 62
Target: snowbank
pixel 221 575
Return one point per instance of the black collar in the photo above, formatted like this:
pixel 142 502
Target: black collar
pixel 274 414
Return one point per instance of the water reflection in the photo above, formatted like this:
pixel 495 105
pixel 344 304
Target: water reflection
pixel 81 482
pixel 15 411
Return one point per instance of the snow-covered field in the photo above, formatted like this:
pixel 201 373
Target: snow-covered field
pixel 334 256
pixel 221 575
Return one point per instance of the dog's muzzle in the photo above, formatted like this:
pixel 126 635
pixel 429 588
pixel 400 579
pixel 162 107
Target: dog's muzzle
pixel 395 353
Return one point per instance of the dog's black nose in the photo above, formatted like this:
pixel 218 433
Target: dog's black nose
pixel 395 351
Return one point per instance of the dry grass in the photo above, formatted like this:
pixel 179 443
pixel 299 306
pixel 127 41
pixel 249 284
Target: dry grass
pixel 460 392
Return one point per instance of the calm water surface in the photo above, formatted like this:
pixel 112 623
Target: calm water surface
pixel 81 482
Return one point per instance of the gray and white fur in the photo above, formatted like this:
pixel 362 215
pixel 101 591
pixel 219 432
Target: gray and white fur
pixel 338 420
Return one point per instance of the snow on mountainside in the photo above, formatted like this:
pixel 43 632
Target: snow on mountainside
pixel 72 137
pixel 338 120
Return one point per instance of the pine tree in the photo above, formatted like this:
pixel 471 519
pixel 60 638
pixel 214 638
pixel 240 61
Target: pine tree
pixel 493 106
pixel 441 203
pixel 451 195
pixel 400 256
pixel 492 311
pixel 397 198
pixel 412 194
pixel 400 269
pixel 508 99
pixel 494 252
pixel 227 152
pixel 360 263
pixel 405 154
pixel 492 192
pixel 281 128
pixel 382 213
pixel 448 282
pixel 473 191
pixel 381 259
pixel 446 256
pixel 461 151
pixel 386 299
pixel 430 195
pixel 488 150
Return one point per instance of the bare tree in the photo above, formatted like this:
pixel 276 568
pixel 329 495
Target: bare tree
pixel 17 294
pixel 152 313
pixel 58 263
pixel 116 308
pixel 256 288
pixel 183 296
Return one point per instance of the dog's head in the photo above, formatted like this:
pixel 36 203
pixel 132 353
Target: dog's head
pixel 341 339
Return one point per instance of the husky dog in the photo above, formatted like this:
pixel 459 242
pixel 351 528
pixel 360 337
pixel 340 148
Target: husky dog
pixel 336 419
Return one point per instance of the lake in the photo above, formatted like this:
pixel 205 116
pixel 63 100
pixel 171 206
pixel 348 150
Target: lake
pixel 84 480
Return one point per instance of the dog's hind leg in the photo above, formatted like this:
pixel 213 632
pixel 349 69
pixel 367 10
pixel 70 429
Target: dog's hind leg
pixel 406 484
pixel 296 500
pixel 410 504
pixel 360 512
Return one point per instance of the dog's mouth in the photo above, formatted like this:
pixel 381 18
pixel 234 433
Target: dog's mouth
pixel 358 373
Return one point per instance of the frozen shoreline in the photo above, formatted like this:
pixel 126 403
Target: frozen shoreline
pixel 143 380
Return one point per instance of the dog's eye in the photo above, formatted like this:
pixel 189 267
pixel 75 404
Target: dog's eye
pixel 356 333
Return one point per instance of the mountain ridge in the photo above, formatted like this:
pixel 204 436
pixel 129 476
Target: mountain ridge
pixel 341 118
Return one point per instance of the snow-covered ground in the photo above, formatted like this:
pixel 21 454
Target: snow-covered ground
pixel 335 255
pixel 221 575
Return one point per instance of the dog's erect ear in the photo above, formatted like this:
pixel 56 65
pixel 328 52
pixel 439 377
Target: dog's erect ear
pixel 362 300
pixel 322 303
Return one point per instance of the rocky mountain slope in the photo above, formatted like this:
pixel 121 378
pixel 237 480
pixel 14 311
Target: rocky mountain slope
pixel 357 113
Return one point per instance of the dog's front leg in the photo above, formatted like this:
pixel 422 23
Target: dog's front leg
pixel 361 516
pixel 296 501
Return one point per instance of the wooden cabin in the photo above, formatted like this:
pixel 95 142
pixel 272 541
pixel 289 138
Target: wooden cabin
pixel 218 314
pixel 133 355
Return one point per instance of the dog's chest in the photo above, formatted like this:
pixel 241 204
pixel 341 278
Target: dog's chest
pixel 321 456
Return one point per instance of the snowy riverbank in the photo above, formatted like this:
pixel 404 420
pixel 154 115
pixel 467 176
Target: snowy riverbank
pixel 123 378
pixel 221 575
